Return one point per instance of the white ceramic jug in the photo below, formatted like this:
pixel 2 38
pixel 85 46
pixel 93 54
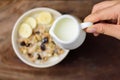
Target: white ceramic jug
pixel 67 31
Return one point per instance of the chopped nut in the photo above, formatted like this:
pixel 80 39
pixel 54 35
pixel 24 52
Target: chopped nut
pixel 45 58
pixel 46 34
pixel 35 39
pixel 32 49
pixel 23 50
pixel 51 45
pixel 49 54
pixel 55 54
pixel 38 37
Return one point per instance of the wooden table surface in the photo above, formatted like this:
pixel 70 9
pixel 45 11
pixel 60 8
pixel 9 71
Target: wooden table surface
pixel 97 59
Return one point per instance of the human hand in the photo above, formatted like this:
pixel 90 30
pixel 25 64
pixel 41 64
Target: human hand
pixel 106 19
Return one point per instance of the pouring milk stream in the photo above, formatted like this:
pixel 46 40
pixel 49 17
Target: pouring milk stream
pixel 67 32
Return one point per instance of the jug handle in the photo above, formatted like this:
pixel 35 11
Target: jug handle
pixel 86 25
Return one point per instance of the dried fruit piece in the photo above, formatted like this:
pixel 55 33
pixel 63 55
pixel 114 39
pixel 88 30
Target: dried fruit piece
pixel 39 56
pixel 27 45
pixel 45 40
pixel 37 32
pixel 43 47
pixel 23 43
pixel 30 55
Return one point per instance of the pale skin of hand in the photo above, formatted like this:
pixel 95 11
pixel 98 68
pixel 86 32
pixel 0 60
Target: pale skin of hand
pixel 107 10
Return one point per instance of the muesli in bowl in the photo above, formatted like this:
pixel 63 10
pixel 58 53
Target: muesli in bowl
pixel 32 42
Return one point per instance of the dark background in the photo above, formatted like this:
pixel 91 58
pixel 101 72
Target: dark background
pixel 97 59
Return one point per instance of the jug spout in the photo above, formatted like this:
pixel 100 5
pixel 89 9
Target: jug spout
pixel 54 37
pixel 51 33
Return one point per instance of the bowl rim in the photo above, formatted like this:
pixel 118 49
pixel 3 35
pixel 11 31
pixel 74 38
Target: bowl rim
pixel 15 44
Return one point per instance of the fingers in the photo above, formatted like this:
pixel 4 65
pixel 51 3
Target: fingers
pixel 105 11
pixel 107 29
pixel 105 14
pixel 103 5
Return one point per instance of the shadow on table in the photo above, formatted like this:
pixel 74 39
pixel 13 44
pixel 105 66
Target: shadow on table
pixel 99 50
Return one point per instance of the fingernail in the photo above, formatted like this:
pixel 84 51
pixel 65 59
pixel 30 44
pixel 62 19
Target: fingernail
pixel 96 34
pixel 91 30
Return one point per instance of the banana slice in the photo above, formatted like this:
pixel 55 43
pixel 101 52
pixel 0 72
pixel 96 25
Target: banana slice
pixel 44 18
pixel 31 21
pixel 25 30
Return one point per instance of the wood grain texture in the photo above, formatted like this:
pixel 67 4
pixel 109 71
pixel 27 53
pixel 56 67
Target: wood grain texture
pixel 97 59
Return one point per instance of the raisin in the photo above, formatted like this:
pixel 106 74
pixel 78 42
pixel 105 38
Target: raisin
pixel 23 43
pixel 30 55
pixel 28 44
pixel 39 57
pixel 45 40
pixel 43 47
pixel 37 32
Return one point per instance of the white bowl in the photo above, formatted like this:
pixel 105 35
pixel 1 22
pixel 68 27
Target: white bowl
pixel 49 63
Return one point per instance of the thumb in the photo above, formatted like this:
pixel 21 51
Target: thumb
pixel 104 14
pixel 107 29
